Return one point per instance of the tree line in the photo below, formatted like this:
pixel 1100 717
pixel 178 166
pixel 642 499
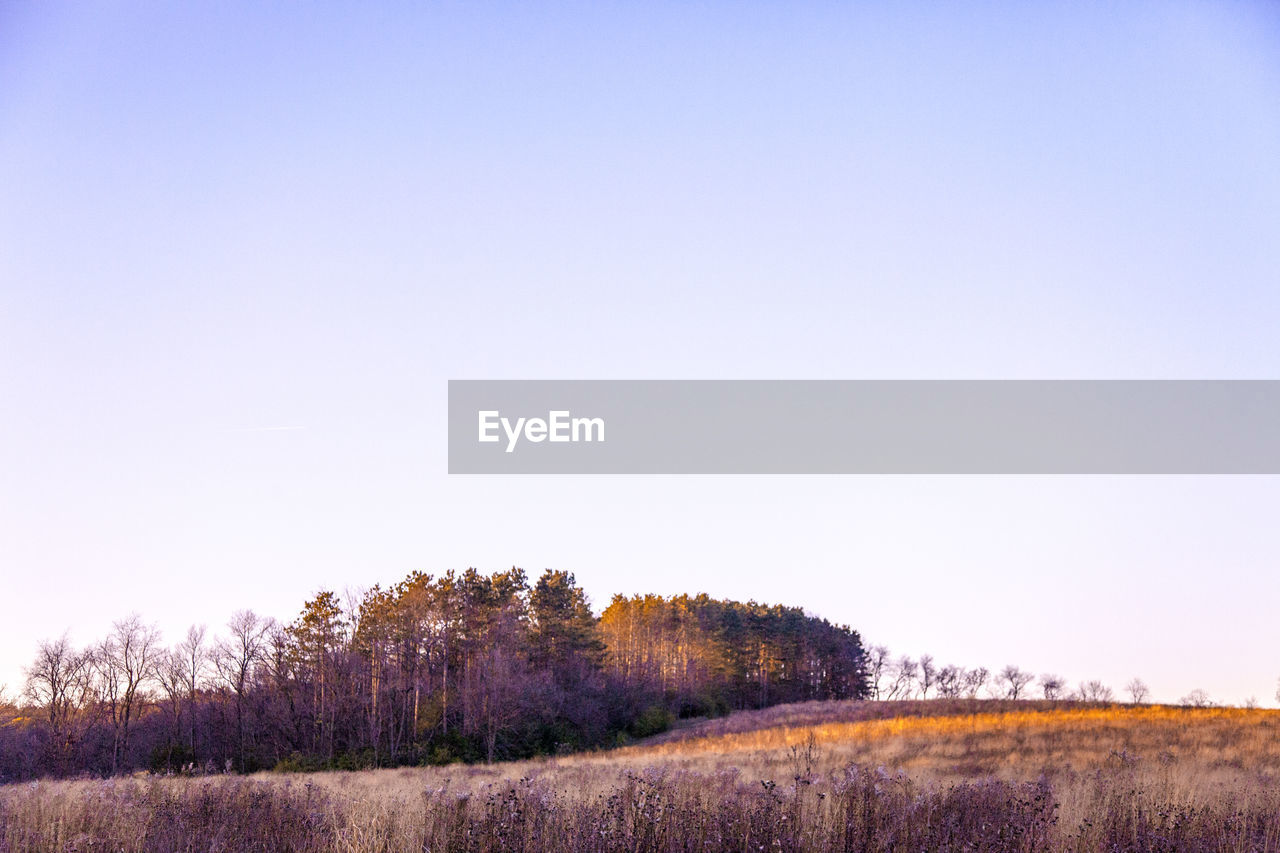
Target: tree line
pixel 461 666
pixel 891 678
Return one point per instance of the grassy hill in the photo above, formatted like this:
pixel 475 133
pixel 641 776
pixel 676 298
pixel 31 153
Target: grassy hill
pixel 956 740
pixel 824 776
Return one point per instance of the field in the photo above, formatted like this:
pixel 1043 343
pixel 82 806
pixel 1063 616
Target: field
pixel 814 776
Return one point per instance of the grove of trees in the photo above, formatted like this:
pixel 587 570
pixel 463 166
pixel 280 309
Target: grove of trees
pixel 905 677
pixel 463 666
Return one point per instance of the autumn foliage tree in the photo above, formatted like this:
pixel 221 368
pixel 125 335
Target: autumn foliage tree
pixel 702 655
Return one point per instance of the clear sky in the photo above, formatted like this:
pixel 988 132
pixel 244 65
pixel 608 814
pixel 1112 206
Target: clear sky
pixel 218 218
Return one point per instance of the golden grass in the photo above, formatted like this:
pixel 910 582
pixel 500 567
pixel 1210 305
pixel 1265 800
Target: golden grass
pixel 1185 755
pixel 1099 761
pixel 1191 755
pixel 1016 744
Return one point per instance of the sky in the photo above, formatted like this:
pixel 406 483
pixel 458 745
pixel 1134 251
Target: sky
pixel 243 248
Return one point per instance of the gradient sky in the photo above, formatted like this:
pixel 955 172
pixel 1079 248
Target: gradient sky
pixel 220 218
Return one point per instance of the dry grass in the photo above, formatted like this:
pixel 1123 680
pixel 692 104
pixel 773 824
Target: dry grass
pixel 1011 741
pixel 1215 756
pixel 817 776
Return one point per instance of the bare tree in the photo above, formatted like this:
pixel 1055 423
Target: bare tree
pixel 58 682
pixel 1197 698
pixel 125 663
pixel 877 664
pixel 1138 691
pixel 904 678
pixel 1052 685
pixel 975 679
pixel 1015 681
pixel 195 661
pixel 237 659
pixel 1095 691
pixel 928 675
pixel 950 681
pixel 169 676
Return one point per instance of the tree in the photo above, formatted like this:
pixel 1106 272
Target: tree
pixel 169 675
pixel 950 681
pixel 1197 698
pixel 195 658
pixel 974 680
pixel 1052 686
pixel 698 655
pixel 904 678
pixel 237 659
pixel 58 682
pixel 496 669
pixel 1015 681
pixel 375 643
pixel 878 663
pixel 125 663
pixel 562 636
pixel 1095 691
pixel 317 638
pixel 1138 691
pixel 928 675
pixel 464 666
pixel 180 672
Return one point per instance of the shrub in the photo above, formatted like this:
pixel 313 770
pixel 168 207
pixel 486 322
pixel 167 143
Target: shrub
pixel 653 720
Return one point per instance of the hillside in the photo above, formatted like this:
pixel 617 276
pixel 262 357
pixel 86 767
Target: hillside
pixel 952 741
pixel 810 776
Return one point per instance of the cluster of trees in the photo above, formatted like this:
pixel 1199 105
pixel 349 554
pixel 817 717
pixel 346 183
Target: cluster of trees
pixel 906 677
pixel 715 656
pixel 462 666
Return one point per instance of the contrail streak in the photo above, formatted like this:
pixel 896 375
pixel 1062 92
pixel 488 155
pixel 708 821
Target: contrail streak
pixel 266 429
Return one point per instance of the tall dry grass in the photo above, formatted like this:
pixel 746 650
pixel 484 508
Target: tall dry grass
pixel 989 776
pixel 1009 740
